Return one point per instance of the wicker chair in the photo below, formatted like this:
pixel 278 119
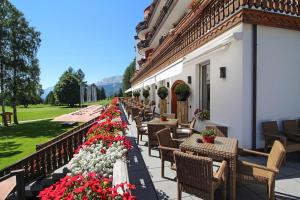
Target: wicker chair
pixel 150 114
pixel 272 133
pixel 141 130
pixel 185 130
pixel 291 130
pixel 259 174
pixel 135 111
pixel 195 176
pixel 167 146
pixel 221 131
pixel 152 138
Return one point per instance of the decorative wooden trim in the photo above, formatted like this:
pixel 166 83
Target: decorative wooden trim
pixel 210 21
pixel 271 19
pixel 226 25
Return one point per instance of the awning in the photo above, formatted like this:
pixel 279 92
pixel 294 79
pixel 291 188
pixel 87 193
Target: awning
pixel 172 70
pixel 149 81
pixel 135 87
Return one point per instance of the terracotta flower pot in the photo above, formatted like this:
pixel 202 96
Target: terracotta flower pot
pixel 209 139
pixel 163 119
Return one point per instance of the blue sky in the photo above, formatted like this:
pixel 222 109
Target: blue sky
pixel 94 35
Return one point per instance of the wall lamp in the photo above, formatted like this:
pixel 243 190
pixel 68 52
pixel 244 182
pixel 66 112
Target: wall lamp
pixel 189 80
pixel 168 84
pixel 222 72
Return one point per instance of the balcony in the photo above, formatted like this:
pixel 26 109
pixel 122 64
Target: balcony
pixel 141 62
pixel 141 26
pixel 213 18
pixel 143 44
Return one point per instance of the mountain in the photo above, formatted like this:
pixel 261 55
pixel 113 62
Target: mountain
pixel 111 85
pixel 46 92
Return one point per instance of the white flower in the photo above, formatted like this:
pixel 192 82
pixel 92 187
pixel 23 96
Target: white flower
pixel 90 159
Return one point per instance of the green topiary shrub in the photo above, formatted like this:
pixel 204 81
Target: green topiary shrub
pixel 146 93
pixel 136 94
pixel 162 92
pixel 182 92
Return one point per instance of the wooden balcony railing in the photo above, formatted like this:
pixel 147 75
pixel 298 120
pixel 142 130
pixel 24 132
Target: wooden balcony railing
pixel 211 19
pixel 50 156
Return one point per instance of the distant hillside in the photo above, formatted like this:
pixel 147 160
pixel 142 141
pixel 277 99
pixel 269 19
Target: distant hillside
pixel 46 92
pixel 111 85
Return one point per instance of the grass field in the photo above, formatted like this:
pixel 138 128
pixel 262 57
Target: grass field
pixel 41 111
pixel 18 141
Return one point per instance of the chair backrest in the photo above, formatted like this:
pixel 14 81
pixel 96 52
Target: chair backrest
pixel 270 127
pixel 290 125
pixel 138 121
pixel 276 155
pixel 153 129
pixel 135 111
pixel 194 171
pixel 164 138
pixel 221 131
pixel 153 111
pixel 193 122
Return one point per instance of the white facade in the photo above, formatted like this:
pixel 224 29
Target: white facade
pixel 278 80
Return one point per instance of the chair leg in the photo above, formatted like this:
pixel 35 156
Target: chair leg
pixel 178 192
pixel 266 146
pixel 138 138
pixel 224 191
pixel 162 168
pixel 271 192
pixel 149 148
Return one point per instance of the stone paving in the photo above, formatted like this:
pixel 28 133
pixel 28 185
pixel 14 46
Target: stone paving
pixel 144 172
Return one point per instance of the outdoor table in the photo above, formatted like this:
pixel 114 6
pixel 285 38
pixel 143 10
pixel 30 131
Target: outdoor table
pixel 223 149
pixel 170 123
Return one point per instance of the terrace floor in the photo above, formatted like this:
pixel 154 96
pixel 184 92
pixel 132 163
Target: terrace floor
pixel 144 172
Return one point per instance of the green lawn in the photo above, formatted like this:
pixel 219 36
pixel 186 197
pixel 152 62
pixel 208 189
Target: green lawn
pixel 41 111
pixel 17 142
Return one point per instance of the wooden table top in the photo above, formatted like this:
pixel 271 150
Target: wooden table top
pixel 169 122
pixel 222 145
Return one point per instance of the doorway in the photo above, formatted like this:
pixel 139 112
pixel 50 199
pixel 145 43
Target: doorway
pixel 174 98
pixel 205 86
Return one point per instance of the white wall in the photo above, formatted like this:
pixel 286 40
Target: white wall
pixel 278 93
pixel 230 97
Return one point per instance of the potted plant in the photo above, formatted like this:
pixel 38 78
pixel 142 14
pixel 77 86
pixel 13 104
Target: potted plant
pixel 208 136
pixel 136 94
pixel 146 94
pixel 163 117
pixel 202 115
pixel 162 92
pixel 182 92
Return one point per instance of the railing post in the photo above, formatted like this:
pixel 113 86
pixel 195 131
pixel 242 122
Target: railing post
pixel 20 185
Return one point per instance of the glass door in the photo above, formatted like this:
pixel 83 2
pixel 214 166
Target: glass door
pixel 205 86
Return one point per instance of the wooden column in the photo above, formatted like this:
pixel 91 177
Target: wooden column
pixel 163 106
pixel 182 111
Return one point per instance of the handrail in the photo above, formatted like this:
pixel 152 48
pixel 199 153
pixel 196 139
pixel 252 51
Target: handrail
pixel 50 157
pixel 69 132
pixel 16 184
